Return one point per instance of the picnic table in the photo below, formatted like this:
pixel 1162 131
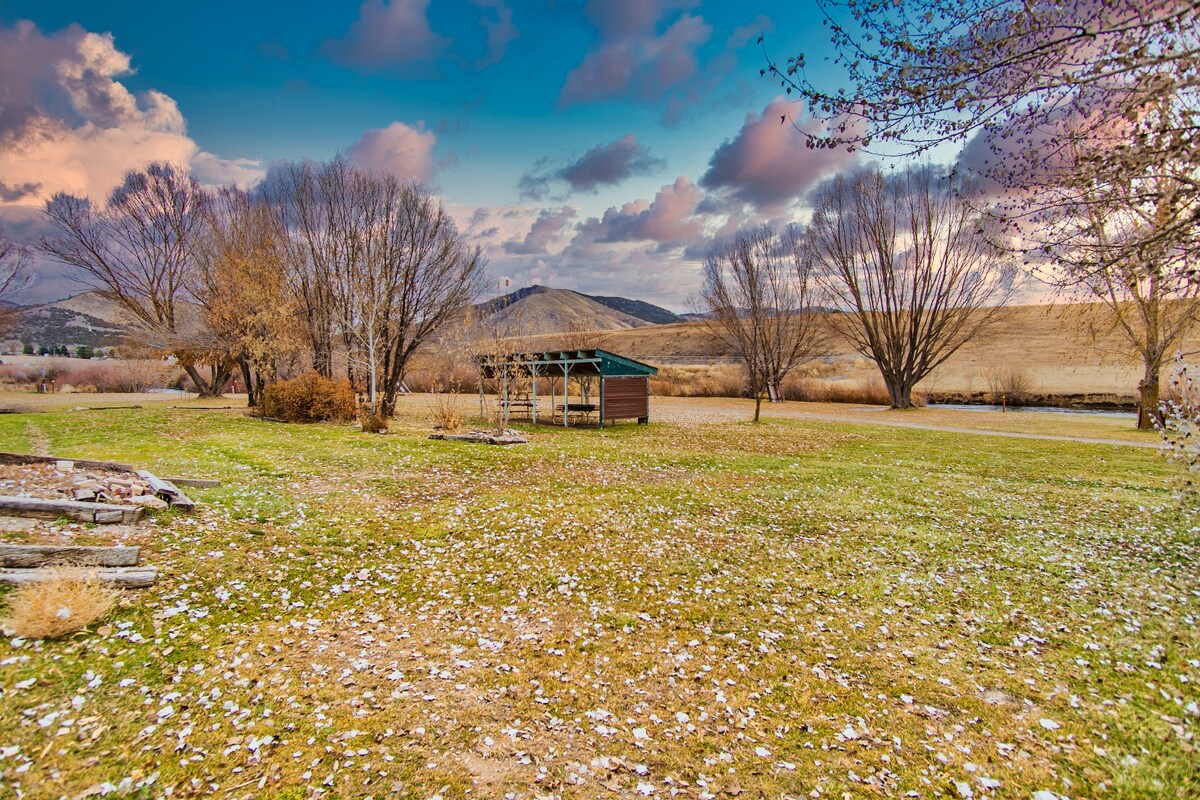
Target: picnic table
pixel 577 410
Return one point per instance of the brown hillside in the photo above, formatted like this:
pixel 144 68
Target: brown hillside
pixel 1052 346
pixel 554 310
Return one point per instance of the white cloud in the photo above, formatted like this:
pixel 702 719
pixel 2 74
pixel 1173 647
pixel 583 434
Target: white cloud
pixel 401 150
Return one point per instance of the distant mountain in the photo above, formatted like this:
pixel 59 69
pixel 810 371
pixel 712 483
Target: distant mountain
pixel 545 310
pixel 536 310
pixel 639 308
pixel 88 318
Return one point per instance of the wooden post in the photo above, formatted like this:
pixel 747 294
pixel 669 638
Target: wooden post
pixel 533 399
pixel 566 392
pixel 601 418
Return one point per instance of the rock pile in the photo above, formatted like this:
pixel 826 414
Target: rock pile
pixel 61 480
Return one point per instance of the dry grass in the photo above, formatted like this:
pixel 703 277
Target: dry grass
pixel 68 601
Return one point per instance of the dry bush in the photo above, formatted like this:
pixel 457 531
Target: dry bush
pixel 18 375
pixel 1012 382
pixel 446 407
pixel 373 423
pixel 68 601
pixel 865 392
pixel 310 398
pixel 699 381
pixel 430 377
pixel 122 376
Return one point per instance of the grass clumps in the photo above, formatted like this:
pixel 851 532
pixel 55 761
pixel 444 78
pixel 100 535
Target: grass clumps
pixel 66 602
pixel 310 398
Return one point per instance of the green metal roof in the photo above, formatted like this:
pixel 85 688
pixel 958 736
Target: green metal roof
pixel 580 362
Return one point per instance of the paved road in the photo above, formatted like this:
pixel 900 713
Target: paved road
pixel 869 417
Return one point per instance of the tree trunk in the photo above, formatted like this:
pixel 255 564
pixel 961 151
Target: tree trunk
pixel 1150 386
pixel 248 379
pixel 899 391
pixel 202 387
pixel 757 405
pixel 218 382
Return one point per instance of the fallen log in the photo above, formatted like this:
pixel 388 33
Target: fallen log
pixel 199 483
pixel 21 458
pixel 124 577
pixel 72 509
pixel 42 555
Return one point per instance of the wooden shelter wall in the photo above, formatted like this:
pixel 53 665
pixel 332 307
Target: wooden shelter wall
pixel 626 398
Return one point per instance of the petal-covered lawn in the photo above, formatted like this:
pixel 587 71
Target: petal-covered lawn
pixel 794 609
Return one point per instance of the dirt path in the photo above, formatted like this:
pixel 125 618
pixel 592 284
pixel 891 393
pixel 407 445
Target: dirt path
pixel 683 411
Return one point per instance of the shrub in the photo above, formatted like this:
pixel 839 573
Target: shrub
pixel 373 423
pixel 68 601
pixel 1010 382
pixel 121 376
pixel 866 392
pixel 310 398
pixel 447 409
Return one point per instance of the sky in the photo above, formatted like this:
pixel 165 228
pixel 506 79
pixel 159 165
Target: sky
pixel 595 145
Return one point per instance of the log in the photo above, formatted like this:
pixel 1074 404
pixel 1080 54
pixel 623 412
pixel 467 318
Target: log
pixel 53 509
pixel 21 458
pixel 41 555
pixel 199 483
pixel 124 577
pixel 167 491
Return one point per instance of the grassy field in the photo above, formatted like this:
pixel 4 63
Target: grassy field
pixel 697 608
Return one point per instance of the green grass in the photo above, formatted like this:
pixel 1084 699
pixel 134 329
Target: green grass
pixel 777 609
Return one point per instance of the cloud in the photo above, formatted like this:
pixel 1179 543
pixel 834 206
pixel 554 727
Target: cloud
pixel 545 231
pixel 602 165
pixel 69 124
pixel 769 162
pixel 11 194
pixel 669 220
pixel 630 56
pixel 388 35
pixel 498 24
pixel 401 150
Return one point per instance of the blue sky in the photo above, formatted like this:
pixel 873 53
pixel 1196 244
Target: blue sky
pixel 600 146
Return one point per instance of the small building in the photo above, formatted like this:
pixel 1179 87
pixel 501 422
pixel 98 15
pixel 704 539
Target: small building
pixel 609 387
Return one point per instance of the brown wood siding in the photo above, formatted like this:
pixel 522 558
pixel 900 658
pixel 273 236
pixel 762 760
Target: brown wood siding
pixel 626 398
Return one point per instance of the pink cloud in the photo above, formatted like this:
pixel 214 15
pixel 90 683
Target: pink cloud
pixel 401 150
pixel 631 56
pixel 68 123
pixel 669 220
pixel 769 162
pixel 388 34
pixel 545 231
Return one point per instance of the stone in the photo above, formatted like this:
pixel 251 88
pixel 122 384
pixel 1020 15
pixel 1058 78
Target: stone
pixel 149 501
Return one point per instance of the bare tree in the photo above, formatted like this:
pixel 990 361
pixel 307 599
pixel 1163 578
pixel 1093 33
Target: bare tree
pixel 14 261
pixel 137 252
pixel 311 201
pixel 1117 78
pixel 758 301
pixel 1106 248
pixel 383 265
pixel 906 259
pixel 240 280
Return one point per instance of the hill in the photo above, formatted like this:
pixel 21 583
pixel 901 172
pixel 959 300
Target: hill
pixel 88 318
pixel 542 310
pixel 84 319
